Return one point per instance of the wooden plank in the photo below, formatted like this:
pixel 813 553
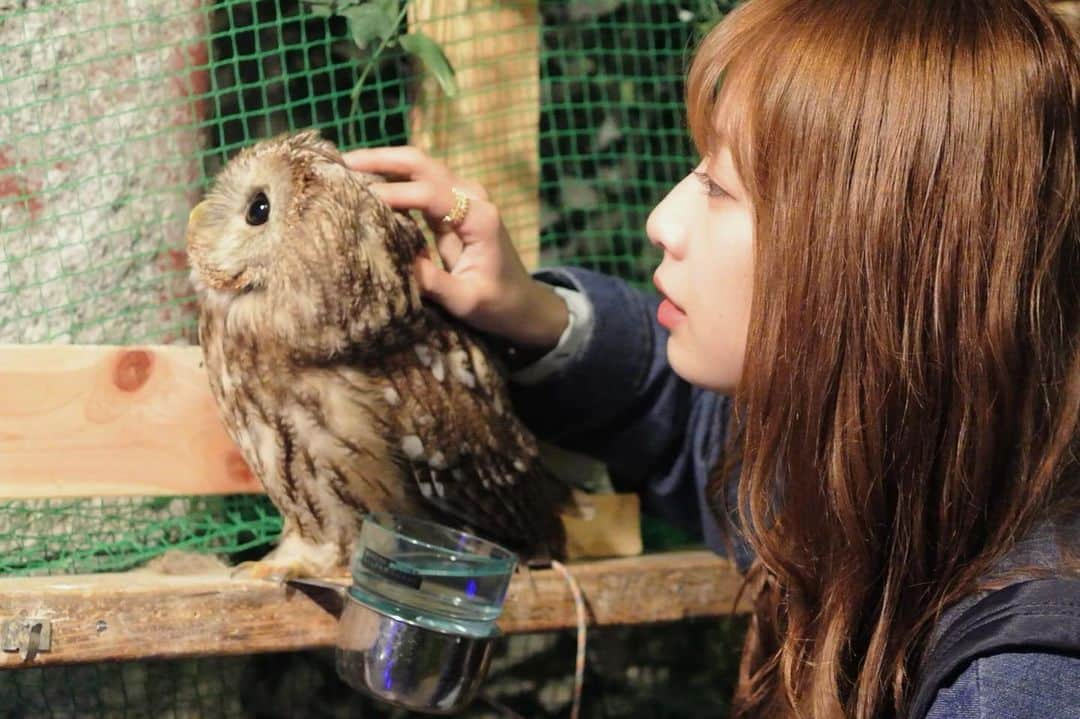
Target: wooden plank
pixel 489 132
pixel 144 614
pixel 80 420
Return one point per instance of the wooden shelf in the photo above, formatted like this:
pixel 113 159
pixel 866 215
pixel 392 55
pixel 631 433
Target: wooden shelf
pixel 144 614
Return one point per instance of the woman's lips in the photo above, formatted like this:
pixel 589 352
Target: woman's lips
pixel 668 314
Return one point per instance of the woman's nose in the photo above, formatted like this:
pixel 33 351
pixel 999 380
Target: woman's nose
pixel 669 222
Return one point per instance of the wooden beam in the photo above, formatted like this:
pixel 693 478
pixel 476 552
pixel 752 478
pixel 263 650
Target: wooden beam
pixel 78 420
pixel 145 614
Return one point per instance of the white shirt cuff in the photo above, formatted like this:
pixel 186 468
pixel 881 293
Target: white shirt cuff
pixel 571 342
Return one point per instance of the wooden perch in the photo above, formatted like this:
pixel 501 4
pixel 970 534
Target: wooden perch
pixel 144 614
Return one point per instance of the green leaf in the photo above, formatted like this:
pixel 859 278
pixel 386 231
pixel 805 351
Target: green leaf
pixel 390 7
pixel 433 58
pixel 370 21
pixel 322 9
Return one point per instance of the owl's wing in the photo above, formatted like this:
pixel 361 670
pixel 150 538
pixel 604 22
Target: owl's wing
pixel 468 454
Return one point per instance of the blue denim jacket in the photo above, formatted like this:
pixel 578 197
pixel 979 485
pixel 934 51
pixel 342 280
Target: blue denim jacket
pixel 618 400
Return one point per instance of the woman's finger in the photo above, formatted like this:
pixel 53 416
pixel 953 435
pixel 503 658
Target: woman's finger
pixel 412 163
pixel 450 248
pixel 441 286
pixel 436 202
pixel 473 189
pixel 411 196
pixel 403 161
pixel 432 200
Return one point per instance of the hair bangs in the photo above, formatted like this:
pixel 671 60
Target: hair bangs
pixel 727 75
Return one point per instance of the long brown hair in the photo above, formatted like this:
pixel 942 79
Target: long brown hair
pixel 910 402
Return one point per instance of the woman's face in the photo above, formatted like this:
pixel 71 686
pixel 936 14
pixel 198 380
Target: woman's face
pixel 705 227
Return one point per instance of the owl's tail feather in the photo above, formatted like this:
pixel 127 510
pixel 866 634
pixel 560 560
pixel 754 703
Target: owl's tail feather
pixel 545 498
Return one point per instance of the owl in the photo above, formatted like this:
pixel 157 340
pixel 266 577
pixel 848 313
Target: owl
pixel 346 392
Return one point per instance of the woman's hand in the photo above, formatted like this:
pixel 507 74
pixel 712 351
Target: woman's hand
pixel 484 282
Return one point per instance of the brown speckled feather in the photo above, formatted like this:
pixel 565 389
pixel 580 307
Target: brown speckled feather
pixel 343 390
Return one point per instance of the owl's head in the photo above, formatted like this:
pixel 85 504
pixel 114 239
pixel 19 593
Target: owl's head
pixel 238 235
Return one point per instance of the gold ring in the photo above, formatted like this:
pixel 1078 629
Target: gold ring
pixel 457 213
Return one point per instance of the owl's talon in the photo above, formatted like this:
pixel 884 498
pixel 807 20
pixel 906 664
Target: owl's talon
pixel 294 558
pixel 266 571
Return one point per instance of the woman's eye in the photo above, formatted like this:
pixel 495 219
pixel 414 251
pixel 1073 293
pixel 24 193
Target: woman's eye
pixel 711 188
pixel 258 211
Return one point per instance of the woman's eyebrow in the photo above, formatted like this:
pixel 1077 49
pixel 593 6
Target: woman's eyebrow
pixel 720 167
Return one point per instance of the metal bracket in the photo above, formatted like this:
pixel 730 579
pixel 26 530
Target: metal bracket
pixel 26 635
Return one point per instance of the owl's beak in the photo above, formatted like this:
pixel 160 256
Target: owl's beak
pixel 196 214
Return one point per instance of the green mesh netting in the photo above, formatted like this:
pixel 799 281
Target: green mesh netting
pixel 114 116
pixel 97 535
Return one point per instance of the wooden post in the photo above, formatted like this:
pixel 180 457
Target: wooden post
pixel 489 132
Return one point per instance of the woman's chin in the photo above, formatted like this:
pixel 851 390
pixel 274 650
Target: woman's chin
pixel 694 367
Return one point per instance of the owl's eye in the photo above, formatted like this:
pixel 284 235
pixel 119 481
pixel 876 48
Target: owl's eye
pixel 258 211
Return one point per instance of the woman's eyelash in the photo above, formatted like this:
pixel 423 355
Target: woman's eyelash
pixel 711 188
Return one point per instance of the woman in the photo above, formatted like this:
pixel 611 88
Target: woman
pixel 874 273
